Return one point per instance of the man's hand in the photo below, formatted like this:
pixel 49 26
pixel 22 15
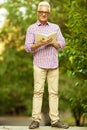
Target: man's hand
pixel 46 41
pixel 56 45
pixel 42 42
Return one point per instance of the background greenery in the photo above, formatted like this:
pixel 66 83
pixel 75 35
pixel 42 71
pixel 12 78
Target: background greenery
pixel 16 67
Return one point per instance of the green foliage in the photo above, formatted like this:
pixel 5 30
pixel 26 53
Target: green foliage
pixel 16 85
pixel 16 69
pixel 77 39
pixel 72 95
pixel 74 58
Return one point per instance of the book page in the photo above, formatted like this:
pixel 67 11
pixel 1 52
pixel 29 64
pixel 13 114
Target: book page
pixel 39 36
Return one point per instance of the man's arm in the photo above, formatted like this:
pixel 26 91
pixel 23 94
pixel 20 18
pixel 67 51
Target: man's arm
pixel 56 45
pixel 36 46
pixel 60 42
pixel 41 43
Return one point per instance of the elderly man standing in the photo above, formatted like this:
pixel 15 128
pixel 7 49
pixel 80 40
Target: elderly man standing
pixel 45 54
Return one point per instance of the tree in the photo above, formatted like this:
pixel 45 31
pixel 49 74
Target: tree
pixel 74 57
pixel 16 79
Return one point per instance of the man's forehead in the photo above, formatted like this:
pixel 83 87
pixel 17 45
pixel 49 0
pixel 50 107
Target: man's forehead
pixel 43 7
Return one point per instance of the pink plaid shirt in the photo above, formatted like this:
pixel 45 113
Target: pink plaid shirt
pixel 45 56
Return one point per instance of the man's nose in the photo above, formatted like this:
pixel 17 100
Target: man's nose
pixel 44 13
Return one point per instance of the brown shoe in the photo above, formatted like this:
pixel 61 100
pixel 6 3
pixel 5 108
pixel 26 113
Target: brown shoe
pixel 34 124
pixel 60 125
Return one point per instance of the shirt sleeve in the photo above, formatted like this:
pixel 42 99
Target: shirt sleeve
pixel 60 38
pixel 29 40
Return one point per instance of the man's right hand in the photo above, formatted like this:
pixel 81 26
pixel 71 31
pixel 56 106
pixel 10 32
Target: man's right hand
pixel 46 41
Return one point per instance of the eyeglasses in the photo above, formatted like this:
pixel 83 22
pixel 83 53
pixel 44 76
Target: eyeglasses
pixel 43 12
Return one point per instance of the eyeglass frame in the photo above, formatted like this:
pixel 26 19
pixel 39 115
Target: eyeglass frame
pixel 42 12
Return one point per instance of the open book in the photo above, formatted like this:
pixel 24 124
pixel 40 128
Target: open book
pixel 52 35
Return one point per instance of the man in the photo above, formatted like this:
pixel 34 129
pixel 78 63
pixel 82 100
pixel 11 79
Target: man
pixel 45 53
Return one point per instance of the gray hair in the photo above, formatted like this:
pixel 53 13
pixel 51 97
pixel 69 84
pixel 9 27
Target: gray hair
pixel 44 3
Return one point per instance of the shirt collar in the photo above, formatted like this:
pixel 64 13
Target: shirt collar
pixel 39 23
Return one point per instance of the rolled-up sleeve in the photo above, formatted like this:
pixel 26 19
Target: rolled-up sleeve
pixel 60 39
pixel 30 38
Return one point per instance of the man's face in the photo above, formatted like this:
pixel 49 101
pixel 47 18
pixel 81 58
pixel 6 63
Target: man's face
pixel 43 13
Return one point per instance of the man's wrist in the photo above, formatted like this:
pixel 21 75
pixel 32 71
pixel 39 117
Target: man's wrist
pixel 56 45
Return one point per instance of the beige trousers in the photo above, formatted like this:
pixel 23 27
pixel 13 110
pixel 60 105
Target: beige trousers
pixel 40 76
